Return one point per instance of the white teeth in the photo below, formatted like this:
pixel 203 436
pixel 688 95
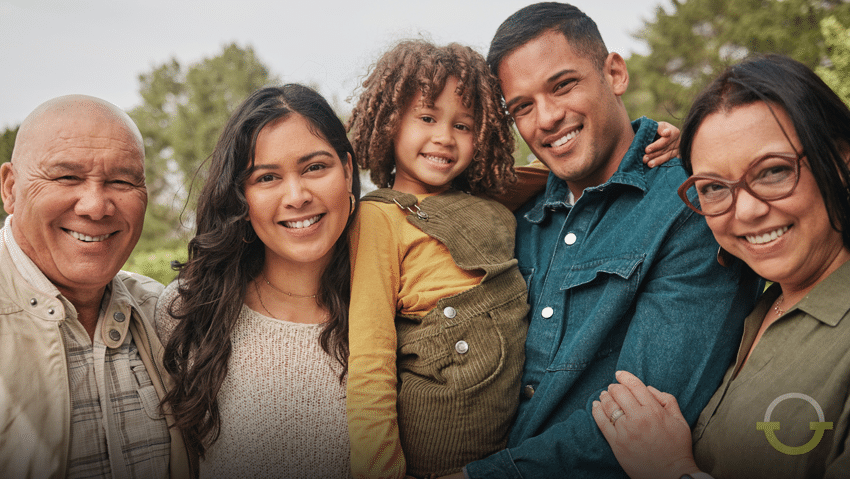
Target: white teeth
pixel 438 159
pixel 86 238
pixel 569 136
pixel 767 237
pixel 302 224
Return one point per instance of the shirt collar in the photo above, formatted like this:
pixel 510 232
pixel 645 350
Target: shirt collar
pixel 827 302
pixel 631 172
pixel 25 266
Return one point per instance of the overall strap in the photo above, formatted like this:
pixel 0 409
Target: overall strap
pixel 405 201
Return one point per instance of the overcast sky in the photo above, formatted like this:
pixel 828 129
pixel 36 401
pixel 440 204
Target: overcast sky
pixel 99 47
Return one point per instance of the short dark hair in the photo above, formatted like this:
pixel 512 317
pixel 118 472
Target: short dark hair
pixel 821 121
pixel 535 20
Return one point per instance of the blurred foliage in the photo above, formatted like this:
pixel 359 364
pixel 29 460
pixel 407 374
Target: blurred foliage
pixel 156 264
pixel 183 110
pixel 837 73
pixel 699 38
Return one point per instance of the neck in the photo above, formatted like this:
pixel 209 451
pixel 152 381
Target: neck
pixel 87 304
pixel 793 293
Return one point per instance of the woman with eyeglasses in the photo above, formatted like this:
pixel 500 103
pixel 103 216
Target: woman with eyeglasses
pixel 767 144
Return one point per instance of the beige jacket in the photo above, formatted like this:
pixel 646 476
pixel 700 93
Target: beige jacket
pixel 35 404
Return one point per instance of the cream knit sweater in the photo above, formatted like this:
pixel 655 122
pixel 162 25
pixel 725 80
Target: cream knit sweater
pixel 282 404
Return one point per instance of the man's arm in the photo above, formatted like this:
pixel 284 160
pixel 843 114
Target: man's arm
pixel 684 329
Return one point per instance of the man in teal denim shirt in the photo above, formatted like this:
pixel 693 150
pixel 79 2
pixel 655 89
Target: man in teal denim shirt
pixel 621 274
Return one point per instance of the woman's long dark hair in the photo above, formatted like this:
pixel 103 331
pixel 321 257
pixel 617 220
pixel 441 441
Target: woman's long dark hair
pixel 821 121
pixel 225 256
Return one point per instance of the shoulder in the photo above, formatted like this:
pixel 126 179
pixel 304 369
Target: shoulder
pixel 164 323
pixel 143 290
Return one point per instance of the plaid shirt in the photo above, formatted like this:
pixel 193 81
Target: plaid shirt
pixel 125 436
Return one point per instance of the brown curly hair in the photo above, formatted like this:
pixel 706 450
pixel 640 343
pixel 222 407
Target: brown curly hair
pixel 418 66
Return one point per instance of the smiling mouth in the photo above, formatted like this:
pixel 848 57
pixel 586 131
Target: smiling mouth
pixel 302 224
pixel 767 237
pixel 86 238
pixel 560 141
pixel 437 159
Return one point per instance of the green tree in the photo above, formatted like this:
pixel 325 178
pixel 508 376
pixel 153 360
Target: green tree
pixel 183 110
pixel 699 38
pixel 837 73
pixel 7 143
pixel 182 113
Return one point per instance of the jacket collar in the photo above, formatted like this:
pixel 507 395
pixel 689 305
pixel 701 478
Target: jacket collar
pixel 631 172
pixel 23 287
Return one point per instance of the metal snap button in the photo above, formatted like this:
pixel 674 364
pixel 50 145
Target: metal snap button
pixel 461 347
pixel 547 312
pixel 570 238
pixel 33 302
pixel 51 311
pixel 449 312
pixel 119 316
pixel 114 335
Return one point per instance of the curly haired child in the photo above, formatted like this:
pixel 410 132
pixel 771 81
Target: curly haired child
pixel 438 306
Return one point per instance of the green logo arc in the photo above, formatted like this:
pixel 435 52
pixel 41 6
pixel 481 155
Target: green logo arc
pixel 769 427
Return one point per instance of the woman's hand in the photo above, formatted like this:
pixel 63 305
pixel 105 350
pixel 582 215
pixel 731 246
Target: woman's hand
pixel 650 437
pixel 665 147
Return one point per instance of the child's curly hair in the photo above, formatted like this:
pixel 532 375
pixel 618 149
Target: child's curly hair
pixel 415 66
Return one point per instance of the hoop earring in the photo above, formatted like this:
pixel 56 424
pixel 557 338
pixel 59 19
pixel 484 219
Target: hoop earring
pixel 253 236
pixel 353 202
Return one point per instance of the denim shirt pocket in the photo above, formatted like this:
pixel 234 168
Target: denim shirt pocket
pixel 599 293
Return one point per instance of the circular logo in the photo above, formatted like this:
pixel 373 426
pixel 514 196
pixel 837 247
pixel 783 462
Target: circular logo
pixel 769 426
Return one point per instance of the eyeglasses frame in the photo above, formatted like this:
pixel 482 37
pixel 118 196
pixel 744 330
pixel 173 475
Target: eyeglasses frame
pixel 741 183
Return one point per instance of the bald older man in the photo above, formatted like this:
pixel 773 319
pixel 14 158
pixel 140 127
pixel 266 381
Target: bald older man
pixel 80 368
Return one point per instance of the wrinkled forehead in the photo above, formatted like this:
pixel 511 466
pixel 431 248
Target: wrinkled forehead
pixel 78 130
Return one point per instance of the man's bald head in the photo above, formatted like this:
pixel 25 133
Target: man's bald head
pixel 62 111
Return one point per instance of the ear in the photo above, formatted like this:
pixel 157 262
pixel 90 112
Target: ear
pixel 7 187
pixel 616 73
pixel 348 172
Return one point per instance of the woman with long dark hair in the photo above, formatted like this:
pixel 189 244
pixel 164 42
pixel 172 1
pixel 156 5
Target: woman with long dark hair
pixel 257 321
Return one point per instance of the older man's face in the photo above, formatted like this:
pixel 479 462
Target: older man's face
pixel 78 196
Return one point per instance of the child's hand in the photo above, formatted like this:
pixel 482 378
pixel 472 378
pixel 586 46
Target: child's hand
pixel 665 147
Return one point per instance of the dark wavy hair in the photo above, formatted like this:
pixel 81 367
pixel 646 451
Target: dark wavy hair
pixel 534 20
pixel 821 121
pixel 417 66
pixel 212 283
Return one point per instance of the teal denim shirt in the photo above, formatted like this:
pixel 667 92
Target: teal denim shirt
pixel 626 279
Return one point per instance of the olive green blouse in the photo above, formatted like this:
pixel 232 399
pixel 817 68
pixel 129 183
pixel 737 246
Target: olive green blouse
pixel 764 420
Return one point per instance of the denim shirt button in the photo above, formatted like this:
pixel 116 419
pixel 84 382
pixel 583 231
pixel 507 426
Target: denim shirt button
pixel 449 312
pixel 547 312
pixel 570 239
pixel 528 391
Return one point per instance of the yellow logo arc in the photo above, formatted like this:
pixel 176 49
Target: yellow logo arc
pixel 769 427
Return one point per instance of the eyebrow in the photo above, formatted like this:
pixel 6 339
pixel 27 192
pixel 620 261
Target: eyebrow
pixel 551 79
pixel 304 159
pixel 72 166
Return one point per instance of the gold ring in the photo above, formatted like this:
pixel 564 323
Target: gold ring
pixel 616 415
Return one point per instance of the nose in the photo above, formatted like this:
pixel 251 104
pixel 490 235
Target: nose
pixel 296 193
pixel 94 201
pixel 549 114
pixel 444 134
pixel 748 207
